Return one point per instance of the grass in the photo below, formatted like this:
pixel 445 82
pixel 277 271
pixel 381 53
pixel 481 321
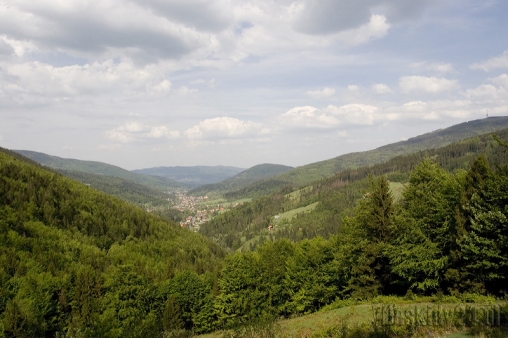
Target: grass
pixel 241 201
pixel 292 213
pixel 296 194
pixel 218 201
pixel 222 201
pixel 357 319
pixel 306 326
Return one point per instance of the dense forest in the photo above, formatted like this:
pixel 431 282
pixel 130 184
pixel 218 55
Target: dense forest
pixel 336 196
pixel 77 262
pixel 447 234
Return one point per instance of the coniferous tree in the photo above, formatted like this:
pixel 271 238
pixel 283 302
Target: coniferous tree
pixel 363 241
pixel 171 316
pixel 483 243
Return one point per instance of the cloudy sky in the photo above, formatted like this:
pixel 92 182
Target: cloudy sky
pixel 143 83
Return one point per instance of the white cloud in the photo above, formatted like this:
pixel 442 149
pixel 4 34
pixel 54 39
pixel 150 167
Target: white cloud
pixel 331 16
pixel 308 117
pixel 117 135
pixel 490 95
pixel 5 48
pixel 163 87
pixel 438 68
pixel 184 91
pixel 162 132
pixel 133 127
pixel 430 110
pixel 377 28
pixel 321 93
pixel 496 62
pixel 354 114
pixel 222 127
pixel 441 67
pixel 501 81
pixel 36 82
pixel 101 29
pixel 381 88
pixel 486 92
pixel 353 88
pixel 134 131
pixel 421 84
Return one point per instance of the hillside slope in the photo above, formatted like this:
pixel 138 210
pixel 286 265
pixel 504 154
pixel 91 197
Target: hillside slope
pixel 193 176
pixel 124 189
pixel 318 209
pixel 100 168
pixel 242 179
pixel 77 262
pixel 319 170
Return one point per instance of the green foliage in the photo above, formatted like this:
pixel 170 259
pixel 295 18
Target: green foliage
pixel 76 262
pixel 337 195
pixel 172 316
pixel 483 244
pixel 127 190
pixel 95 167
pixel 351 162
pixel 241 180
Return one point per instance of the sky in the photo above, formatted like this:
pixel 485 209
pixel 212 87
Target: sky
pixel 146 83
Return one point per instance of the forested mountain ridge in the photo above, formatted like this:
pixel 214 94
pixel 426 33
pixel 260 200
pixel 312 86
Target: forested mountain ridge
pixel 77 262
pixel 242 179
pixel 446 235
pixel 100 168
pixel 322 169
pixel 318 209
pixel 193 176
pixel 127 190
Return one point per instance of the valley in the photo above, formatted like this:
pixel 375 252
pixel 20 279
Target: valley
pixel 313 257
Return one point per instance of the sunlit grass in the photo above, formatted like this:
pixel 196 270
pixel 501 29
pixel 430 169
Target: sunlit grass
pixel 292 213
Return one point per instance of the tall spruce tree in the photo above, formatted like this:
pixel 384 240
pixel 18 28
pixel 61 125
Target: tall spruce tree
pixel 425 228
pixel 365 237
pixel 483 243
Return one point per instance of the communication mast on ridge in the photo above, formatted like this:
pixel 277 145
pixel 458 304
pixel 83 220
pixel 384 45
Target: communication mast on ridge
pixel 487 114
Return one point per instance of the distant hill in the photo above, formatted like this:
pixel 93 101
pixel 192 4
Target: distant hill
pixel 319 170
pixel 318 209
pixel 193 176
pixel 100 168
pixel 127 190
pixel 242 179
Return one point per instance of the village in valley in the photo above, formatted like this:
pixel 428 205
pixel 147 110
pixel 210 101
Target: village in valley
pixel 199 209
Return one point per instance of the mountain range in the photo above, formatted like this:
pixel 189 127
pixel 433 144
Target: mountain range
pixel 308 173
pixel 237 183
pixel 78 262
pixel 245 178
pixel 193 176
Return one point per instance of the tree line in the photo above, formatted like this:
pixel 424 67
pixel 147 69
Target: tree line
pixel 336 196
